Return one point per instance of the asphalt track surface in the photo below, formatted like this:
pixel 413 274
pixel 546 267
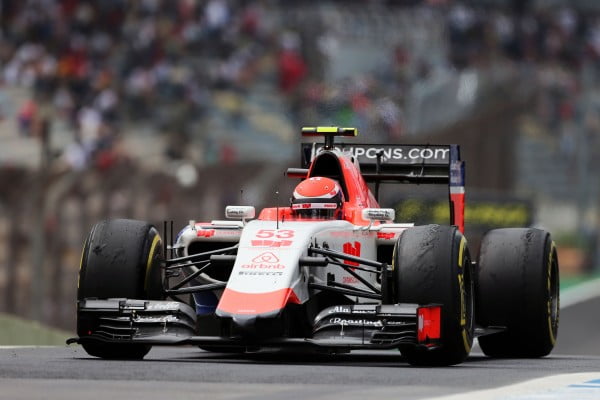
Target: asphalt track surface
pixel 571 371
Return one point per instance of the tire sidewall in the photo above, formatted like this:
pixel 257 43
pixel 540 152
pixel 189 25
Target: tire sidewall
pixel 121 258
pixel 431 265
pixel 517 288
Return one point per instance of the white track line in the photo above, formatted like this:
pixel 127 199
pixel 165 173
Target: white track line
pixel 580 293
pixel 580 386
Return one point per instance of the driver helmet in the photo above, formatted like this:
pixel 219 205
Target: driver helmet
pixel 318 198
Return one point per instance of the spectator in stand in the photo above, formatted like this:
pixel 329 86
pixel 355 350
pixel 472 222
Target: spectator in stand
pixel 26 116
pixel 160 62
pixel 292 68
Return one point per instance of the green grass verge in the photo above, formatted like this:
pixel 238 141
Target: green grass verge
pixel 16 331
pixel 570 281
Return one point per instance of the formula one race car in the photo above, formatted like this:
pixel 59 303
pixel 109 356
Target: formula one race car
pixel 331 271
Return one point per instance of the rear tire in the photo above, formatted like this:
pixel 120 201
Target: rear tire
pixel 518 287
pixel 121 259
pixel 431 264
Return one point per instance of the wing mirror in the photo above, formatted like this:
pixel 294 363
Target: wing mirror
pixel 240 212
pixel 379 214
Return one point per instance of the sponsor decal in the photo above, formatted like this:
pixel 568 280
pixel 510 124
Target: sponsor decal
pixel 227 232
pixel 482 214
pixel 266 257
pixel 162 306
pixel 270 243
pixel 348 310
pixel 311 206
pixel 359 311
pixel 457 173
pixel 349 280
pixel 263 266
pixel 379 214
pixel 236 212
pixel 260 273
pixel 352 249
pixel 439 154
pixel 266 260
pixel 385 235
pixel 205 233
pixel 354 322
pixel 397 323
pixel 339 309
pixel 239 212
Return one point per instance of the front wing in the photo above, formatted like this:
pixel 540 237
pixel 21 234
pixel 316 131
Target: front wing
pixel 343 327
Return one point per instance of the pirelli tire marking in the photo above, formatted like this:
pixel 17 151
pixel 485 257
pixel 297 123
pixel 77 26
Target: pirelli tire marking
pixel 85 243
pixel 155 241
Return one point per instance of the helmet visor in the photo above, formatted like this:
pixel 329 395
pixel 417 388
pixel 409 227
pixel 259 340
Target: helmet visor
pixel 316 210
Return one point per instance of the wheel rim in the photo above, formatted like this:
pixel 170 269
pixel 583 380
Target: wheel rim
pixel 469 289
pixel 554 295
pixel 467 298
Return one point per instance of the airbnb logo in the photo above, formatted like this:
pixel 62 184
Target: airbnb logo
pixel 266 257
pixel 264 261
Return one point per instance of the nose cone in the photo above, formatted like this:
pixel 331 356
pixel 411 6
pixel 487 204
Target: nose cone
pixel 245 325
pixel 234 303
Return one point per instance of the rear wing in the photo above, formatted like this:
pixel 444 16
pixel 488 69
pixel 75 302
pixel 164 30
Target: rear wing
pixel 400 163
pixel 396 162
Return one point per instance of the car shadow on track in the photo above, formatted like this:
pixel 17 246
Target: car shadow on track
pixel 361 358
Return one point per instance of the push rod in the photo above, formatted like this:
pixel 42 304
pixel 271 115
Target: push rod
pixel 198 255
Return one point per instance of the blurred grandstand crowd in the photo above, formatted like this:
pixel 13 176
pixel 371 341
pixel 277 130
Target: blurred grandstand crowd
pixel 97 73
pixel 101 66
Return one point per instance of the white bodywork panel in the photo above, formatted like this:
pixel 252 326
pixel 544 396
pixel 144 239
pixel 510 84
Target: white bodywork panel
pixel 268 254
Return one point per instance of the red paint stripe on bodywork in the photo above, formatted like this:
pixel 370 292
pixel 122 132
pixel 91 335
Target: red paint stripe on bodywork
pixel 429 323
pixel 458 202
pixel 234 302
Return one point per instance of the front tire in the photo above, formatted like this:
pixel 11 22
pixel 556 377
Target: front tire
pixel 121 259
pixel 431 264
pixel 518 288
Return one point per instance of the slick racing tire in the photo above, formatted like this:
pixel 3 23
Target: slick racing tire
pixel 517 287
pixel 121 259
pixel 431 265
